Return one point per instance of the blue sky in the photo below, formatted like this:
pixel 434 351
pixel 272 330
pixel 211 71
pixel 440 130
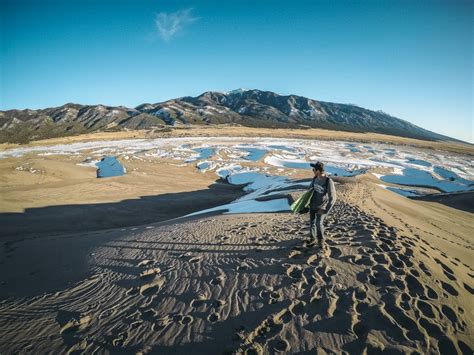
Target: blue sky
pixel 412 59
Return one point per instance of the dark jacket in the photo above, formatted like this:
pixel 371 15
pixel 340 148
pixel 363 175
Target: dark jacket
pixel 324 195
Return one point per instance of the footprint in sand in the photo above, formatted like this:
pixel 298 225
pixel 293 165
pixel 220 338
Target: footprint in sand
pixel 404 304
pixel 360 329
pixel 363 260
pixel 197 303
pixel 152 287
pixel 335 252
pixel 406 260
pixel 449 276
pixel 449 313
pixel 294 271
pixel 242 267
pixel 446 270
pixel 270 295
pixel 468 288
pixel 149 273
pixel 145 262
pixel 275 295
pixel 213 317
pixel 326 273
pixel 76 324
pixel 183 319
pixel 426 309
pixel 405 323
pixel 279 345
pixel 424 268
pixel 450 289
pixel 381 259
pixel 430 293
pixel 360 294
pixel 313 260
pixel 361 307
pixel 265 293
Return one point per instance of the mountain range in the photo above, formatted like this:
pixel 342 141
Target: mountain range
pixel 253 108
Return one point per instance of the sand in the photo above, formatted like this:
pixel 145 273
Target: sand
pixel 63 197
pixel 394 274
pixel 241 282
pixel 462 200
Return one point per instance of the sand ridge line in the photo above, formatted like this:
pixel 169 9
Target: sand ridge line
pixel 325 298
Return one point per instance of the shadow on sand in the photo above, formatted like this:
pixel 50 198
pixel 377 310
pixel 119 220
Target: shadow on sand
pixel 54 220
pixel 460 200
pixel 45 249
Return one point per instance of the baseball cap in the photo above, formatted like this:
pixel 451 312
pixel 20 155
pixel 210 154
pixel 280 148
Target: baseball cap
pixel 318 166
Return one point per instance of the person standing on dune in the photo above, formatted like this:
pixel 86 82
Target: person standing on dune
pixel 321 203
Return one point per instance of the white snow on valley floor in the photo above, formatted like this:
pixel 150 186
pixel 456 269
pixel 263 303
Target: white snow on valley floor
pixel 232 158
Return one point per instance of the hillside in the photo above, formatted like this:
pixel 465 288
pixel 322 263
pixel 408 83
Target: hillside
pixel 253 108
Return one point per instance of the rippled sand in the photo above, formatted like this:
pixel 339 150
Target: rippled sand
pixel 103 266
pixel 394 274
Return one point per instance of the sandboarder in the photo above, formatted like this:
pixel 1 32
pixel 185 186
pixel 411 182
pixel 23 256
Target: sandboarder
pixel 322 201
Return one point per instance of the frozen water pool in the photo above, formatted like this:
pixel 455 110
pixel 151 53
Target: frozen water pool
pixel 254 154
pixel 108 167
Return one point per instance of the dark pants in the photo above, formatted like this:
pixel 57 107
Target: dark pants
pixel 316 224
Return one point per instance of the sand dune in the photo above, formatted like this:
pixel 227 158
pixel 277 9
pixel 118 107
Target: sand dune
pixel 110 265
pixel 462 200
pixel 248 283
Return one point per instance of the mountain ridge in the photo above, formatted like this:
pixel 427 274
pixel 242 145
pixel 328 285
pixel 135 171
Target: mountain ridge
pixel 247 107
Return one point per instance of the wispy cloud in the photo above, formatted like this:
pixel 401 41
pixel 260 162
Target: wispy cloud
pixel 170 24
